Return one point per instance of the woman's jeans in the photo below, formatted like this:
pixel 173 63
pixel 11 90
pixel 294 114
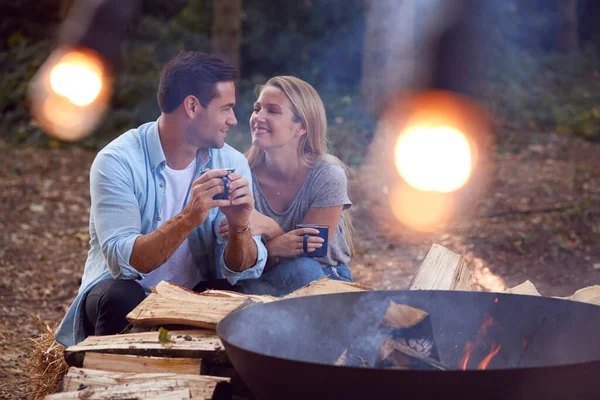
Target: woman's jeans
pixel 290 275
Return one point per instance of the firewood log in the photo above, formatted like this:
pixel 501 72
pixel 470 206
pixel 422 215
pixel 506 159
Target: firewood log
pixel 408 340
pixel 442 269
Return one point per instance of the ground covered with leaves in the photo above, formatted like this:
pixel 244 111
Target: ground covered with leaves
pixel 540 221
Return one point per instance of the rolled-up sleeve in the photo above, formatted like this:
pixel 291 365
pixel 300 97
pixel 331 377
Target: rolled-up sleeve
pixel 116 213
pixel 257 269
pixel 251 273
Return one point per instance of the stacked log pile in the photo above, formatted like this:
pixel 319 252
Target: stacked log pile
pixel 186 363
pixel 189 362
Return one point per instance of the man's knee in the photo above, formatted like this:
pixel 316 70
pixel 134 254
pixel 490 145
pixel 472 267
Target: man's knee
pixel 121 296
pixel 107 304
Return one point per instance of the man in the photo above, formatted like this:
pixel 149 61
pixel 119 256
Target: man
pixel 153 216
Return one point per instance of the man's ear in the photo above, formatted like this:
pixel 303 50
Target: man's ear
pixel 192 106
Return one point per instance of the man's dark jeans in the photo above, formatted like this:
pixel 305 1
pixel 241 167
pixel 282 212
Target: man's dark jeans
pixel 109 302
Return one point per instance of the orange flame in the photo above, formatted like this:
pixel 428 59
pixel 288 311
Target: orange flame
pixel 489 321
pixel 479 341
pixel 484 363
pixel 465 360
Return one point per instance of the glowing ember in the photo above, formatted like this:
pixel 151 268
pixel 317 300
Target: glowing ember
pixel 495 349
pixel 434 159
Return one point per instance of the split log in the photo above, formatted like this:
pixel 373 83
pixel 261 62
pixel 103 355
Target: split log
pixel 408 339
pixel 162 389
pixel 325 285
pixel 402 316
pixel 200 343
pixel 525 288
pixel 590 294
pixel 141 364
pixel 396 354
pixel 442 269
pixel 78 378
pixel 176 305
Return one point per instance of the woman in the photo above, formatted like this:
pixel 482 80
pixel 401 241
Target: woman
pixel 295 181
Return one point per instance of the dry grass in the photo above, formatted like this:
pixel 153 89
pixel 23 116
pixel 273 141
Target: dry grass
pixel 46 363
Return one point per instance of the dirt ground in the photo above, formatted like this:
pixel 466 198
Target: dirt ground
pixel 541 221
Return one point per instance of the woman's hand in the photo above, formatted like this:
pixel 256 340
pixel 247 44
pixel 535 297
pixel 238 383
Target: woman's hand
pixel 290 244
pixel 259 225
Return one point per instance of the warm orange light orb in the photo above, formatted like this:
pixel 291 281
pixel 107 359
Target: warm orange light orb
pixel 433 158
pixel 77 78
pixel 438 144
pixel 70 93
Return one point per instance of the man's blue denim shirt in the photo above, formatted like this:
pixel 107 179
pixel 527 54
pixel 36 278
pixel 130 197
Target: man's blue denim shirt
pixel 127 192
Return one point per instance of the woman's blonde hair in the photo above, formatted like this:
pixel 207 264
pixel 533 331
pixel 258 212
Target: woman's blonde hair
pixel 307 107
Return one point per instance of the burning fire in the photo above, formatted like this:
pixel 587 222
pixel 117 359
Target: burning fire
pixel 495 349
pixel 478 342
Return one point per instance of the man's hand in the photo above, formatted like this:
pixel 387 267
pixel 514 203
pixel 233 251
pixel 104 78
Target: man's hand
pixel 240 204
pixel 201 197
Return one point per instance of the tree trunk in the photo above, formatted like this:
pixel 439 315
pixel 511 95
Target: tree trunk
pixel 226 30
pixel 568 34
pixel 389 50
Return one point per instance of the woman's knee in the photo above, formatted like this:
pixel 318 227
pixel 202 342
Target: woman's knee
pixel 294 274
pixel 305 267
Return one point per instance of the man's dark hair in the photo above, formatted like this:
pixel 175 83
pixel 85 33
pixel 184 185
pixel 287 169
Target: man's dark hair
pixel 192 73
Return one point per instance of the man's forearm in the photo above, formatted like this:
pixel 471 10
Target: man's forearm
pixel 152 250
pixel 241 252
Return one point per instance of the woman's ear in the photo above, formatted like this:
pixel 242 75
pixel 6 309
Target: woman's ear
pixel 301 130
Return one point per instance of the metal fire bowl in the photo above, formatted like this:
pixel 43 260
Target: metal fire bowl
pixel 287 349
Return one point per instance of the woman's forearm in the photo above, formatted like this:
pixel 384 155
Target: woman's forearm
pixel 271 229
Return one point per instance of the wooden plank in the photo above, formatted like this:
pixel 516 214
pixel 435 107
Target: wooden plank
pixel 176 305
pixel 442 269
pixel 197 343
pixel 77 378
pixel 325 285
pixel 141 364
pixel 137 390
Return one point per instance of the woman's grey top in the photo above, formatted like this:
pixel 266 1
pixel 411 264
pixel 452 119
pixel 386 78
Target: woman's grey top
pixel 325 186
